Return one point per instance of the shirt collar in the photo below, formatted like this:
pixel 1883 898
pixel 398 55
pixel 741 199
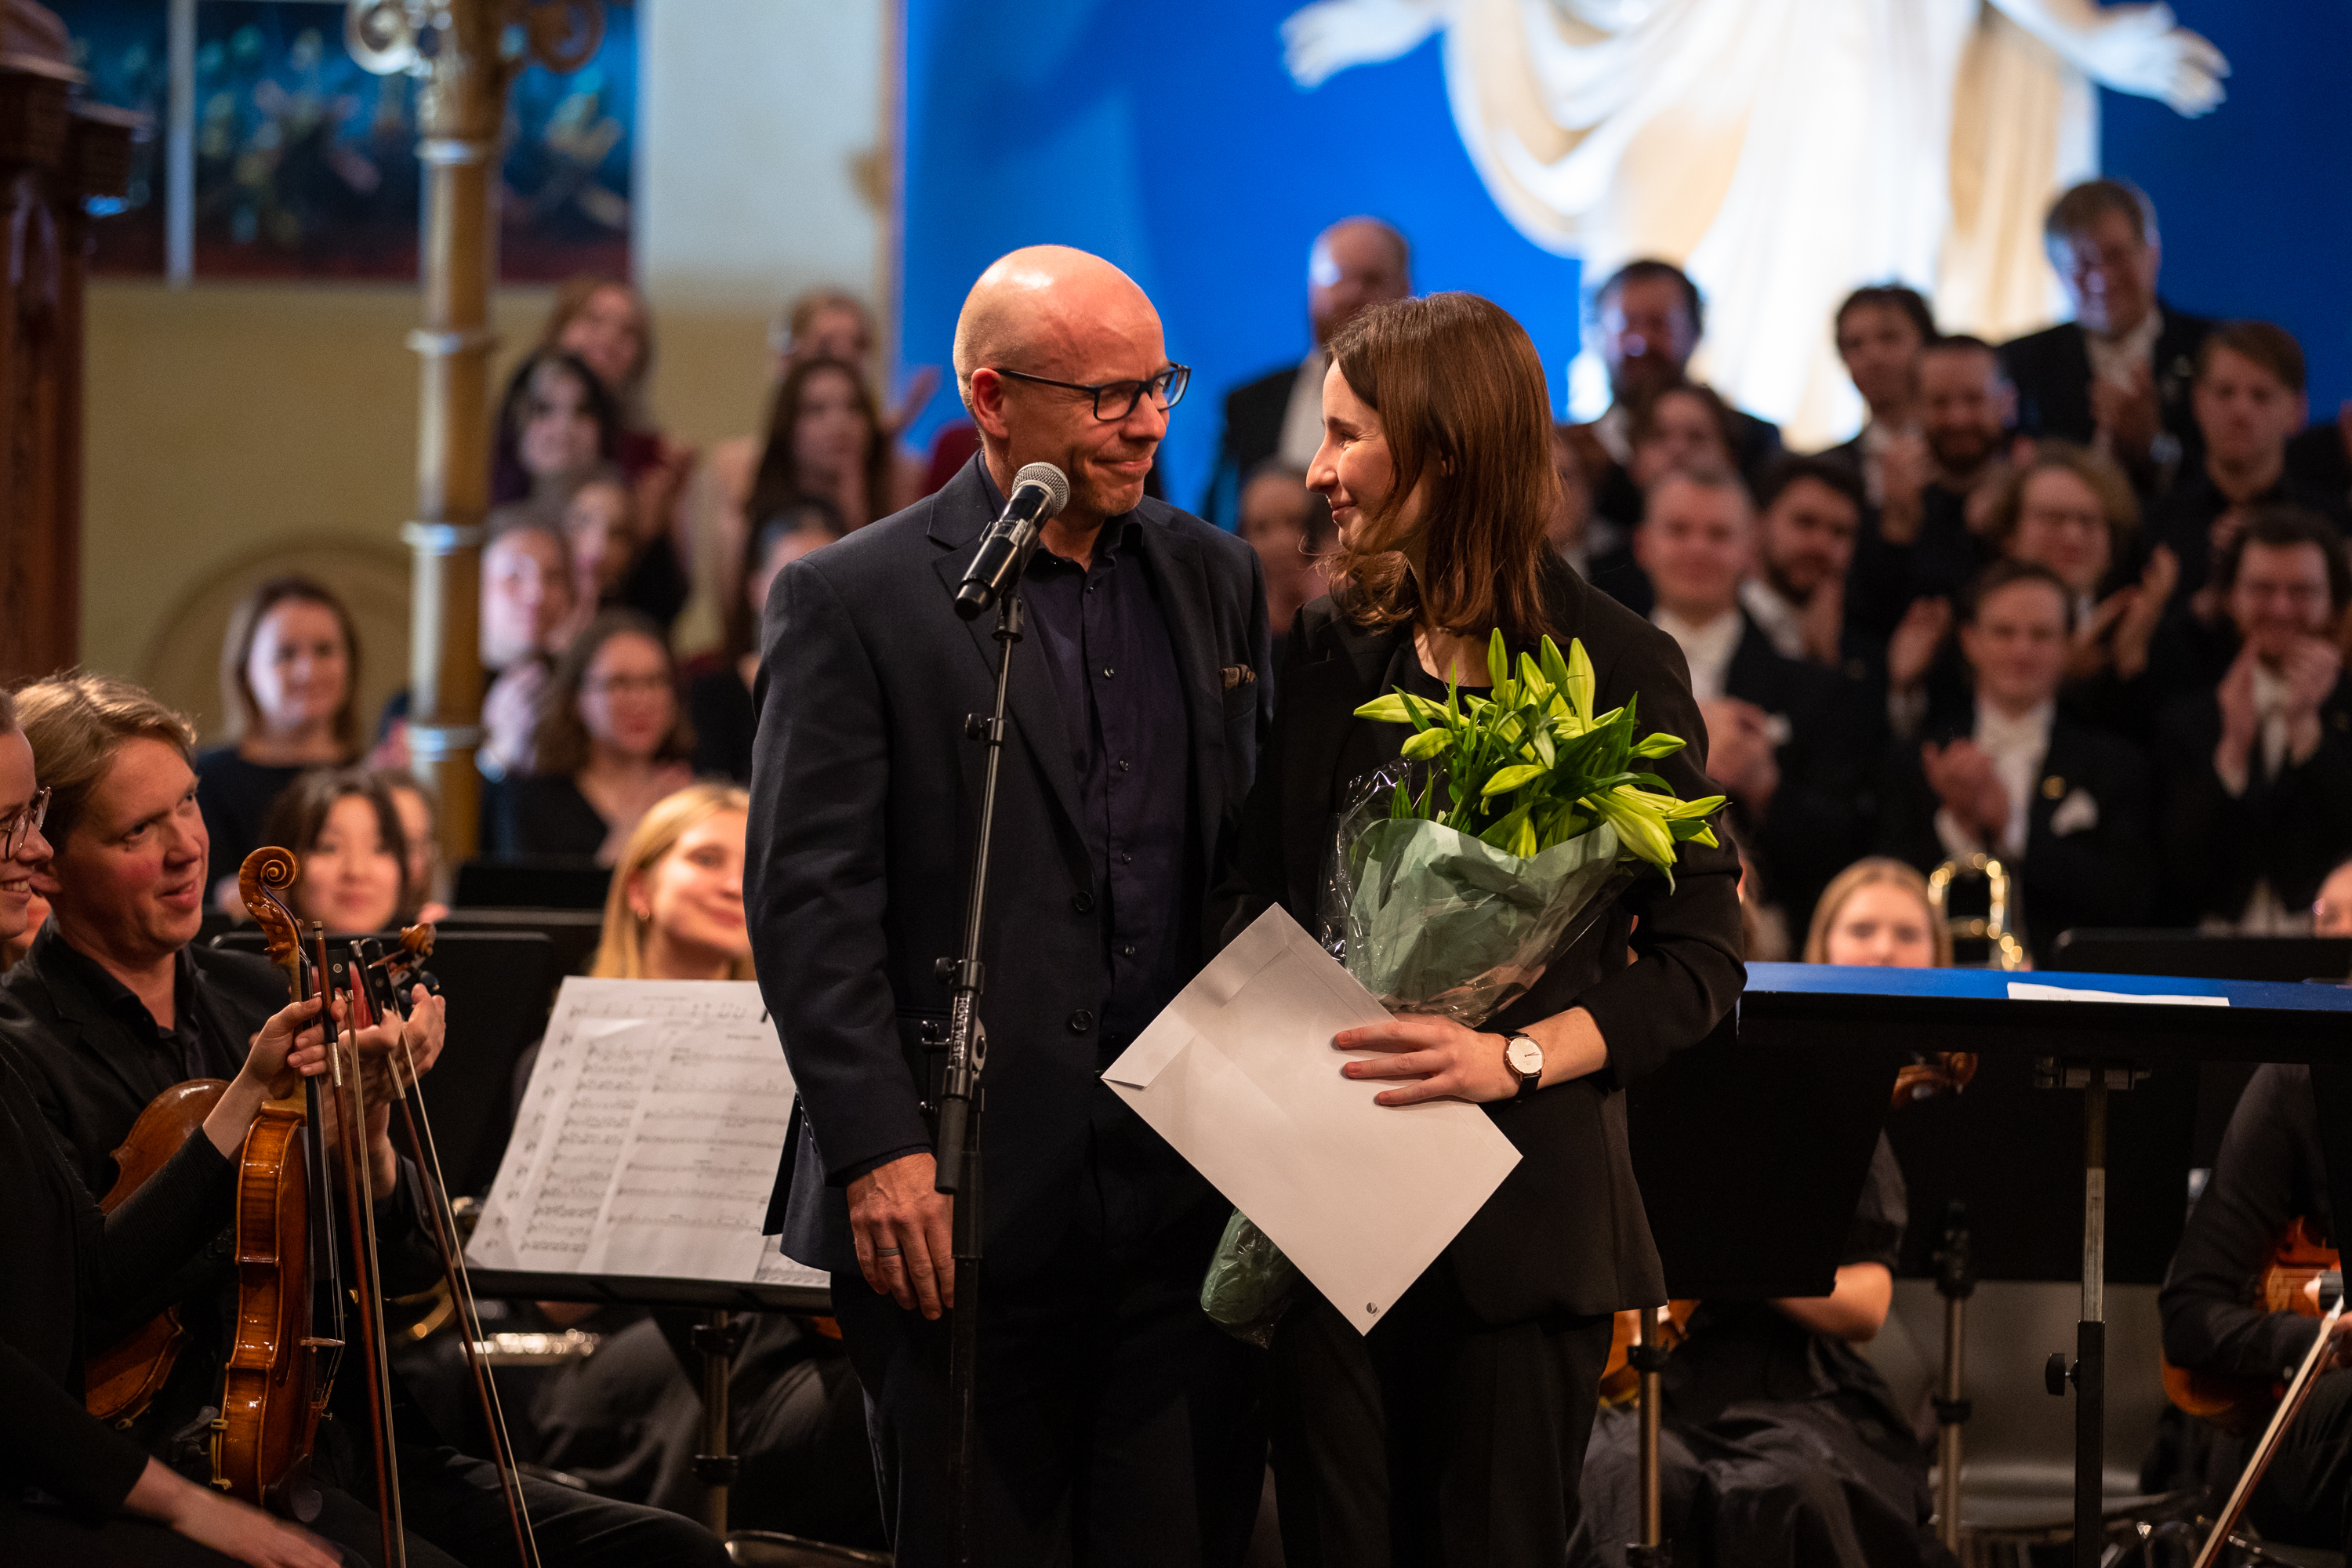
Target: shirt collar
pixel 1121 533
pixel 1781 617
pixel 118 1000
pixel 1998 731
pixel 2112 359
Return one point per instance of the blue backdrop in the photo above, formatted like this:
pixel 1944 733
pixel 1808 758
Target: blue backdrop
pixel 1170 139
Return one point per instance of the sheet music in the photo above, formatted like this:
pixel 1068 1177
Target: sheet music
pixel 649 1137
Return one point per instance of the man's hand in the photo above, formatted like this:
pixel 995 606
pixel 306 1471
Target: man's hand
pixel 900 1222
pixel 2136 630
pixel 2312 671
pixel 1824 623
pixel 289 1047
pixel 2241 723
pixel 1911 650
pixel 1963 778
pixel 2087 649
pixel 2128 415
pixel 1739 753
pixel 1905 467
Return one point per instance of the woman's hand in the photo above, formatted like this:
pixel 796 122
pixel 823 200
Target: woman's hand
pixel 234 1529
pixel 1438 1058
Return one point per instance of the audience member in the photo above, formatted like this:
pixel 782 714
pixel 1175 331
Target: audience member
pixel 609 743
pixel 289 674
pixel 604 323
pixel 427 896
pixel 1881 330
pixel 1811 511
pixel 1789 742
pixel 1579 534
pixel 2258 766
pixel 555 422
pixel 600 531
pixel 825 438
pixel 346 836
pixel 23 852
pixel 1684 428
pixel 2249 402
pixel 1356 263
pixel 2331 911
pixel 1287 525
pixel 831 323
pixel 2065 808
pixel 527 615
pixel 2116 377
pixel 1926 541
pixel 1650 318
pixel 719 689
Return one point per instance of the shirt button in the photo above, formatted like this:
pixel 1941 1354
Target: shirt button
pixel 1128 951
pixel 1122 765
pixel 1083 903
pixel 1108 672
pixel 1081 1021
pixel 1126 859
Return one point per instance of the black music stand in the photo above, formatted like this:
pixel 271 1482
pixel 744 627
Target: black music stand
pixel 717 1338
pixel 499 985
pixel 1750 1162
pixel 2096 1046
pixel 532 882
pixel 574 933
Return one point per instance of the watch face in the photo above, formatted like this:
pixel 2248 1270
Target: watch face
pixel 1524 1055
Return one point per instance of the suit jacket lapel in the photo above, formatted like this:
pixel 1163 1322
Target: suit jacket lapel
pixel 1183 585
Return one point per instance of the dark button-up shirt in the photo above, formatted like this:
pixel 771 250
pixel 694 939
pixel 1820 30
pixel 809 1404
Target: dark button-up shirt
pixel 1106 642
pixel 185 1050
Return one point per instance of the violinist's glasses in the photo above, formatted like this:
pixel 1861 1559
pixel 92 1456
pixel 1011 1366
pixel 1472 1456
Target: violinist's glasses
pixel 19 826
pixel 1115 400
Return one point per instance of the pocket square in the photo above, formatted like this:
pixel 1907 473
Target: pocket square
pixel 2077 814
pixel 1235 675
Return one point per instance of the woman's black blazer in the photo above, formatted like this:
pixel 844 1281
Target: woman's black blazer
pixel 1566 1231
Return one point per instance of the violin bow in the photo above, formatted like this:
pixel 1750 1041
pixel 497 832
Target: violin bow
pixel 2290 1406
pixel 395 968
pixel 359 1201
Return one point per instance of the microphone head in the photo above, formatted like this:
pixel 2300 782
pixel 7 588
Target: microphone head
pixel 1056 487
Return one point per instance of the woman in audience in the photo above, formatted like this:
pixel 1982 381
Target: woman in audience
pixel 346 835
pixel 1687 428
pixel 1781 1444
pixel 290 670
pixel 676 909
pixel 609 743
pixel 825 438
pixel 2073 511
pixel 599 529
pixel 719 694
pixel 420 828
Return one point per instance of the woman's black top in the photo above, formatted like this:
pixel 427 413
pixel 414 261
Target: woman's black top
pixel 236 797
pixel 65 1263
pixel 1566 1233
pixel 546 814
pixel 719 704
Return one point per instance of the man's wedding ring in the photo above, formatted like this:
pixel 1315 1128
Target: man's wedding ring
pixel 886 1252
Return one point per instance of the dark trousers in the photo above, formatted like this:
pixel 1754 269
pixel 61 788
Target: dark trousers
pixel 2305 1497
pixel 1433 1440
pixel 455 1518
pixel 1118 1425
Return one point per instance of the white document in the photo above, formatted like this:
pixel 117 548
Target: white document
pixel 2026 991
pixel 648 1139
pixel 1239 1076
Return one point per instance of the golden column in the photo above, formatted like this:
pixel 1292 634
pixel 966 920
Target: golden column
pixel 464 53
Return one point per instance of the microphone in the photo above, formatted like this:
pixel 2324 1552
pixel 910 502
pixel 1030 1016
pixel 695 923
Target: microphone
pixel 1039 492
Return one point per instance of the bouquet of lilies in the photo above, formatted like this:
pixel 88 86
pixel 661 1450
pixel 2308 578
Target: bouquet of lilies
pixel 1462 869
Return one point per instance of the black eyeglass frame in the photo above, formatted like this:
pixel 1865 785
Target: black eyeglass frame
pixel 23 823
pixel 1172 383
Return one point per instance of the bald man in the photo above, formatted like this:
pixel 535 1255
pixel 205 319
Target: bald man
pixel 1115 1422
pixel 1357 263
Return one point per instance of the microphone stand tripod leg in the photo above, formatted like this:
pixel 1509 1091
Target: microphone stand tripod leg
pixel 963 1345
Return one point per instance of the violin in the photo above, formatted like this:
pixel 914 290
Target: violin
pixel 122 1379
pixel 1620 1379
pixel 2235 1404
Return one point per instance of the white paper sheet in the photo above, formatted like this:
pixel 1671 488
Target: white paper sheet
pixel 1239 1076
pixel 649 1137
pixel 2027 991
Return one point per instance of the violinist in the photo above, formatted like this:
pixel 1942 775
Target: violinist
pixel 2270 1173
pixel 115 1004
pixel 76 1491
pixel 1781 1444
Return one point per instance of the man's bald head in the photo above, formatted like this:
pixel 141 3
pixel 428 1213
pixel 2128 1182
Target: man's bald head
pixel 1357 263
pixel 1034 307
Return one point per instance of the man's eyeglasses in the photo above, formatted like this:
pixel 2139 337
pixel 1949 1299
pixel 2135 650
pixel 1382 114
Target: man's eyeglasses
pixel 20 824
pixel 1115 400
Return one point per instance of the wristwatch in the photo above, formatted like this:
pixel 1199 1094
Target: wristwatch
pixel 1525 1057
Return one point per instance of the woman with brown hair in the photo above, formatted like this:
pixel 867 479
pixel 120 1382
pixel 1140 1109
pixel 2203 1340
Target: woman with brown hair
pixel 1455 1430
pixel 611 741
pixel 289 674
pixel 825 438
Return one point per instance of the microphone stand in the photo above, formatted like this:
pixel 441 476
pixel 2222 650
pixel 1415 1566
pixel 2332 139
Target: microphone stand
pixel 960 1100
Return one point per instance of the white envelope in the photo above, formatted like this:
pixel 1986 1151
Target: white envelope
pixel 1239 1076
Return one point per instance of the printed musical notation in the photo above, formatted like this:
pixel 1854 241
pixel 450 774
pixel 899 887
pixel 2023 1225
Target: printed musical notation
pixel 649 1137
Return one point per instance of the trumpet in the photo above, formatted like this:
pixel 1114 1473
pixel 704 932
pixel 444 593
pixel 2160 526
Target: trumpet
pixel 1993 927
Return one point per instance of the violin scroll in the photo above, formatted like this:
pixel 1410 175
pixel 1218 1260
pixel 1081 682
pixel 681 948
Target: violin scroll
pixel 266 874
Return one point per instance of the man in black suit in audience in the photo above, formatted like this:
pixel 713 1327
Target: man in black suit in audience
pixel 2258 768
pixel 2065 809
pixel 1791 742
pixel 2249 401
pixel 2118 375
pixel 1114 1417
pixel 1650 318
pixel 1356 263
pixel 1881 331
pixel 1809 512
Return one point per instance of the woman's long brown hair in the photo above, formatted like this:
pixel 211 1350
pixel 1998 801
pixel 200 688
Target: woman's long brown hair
pixel 1460 390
